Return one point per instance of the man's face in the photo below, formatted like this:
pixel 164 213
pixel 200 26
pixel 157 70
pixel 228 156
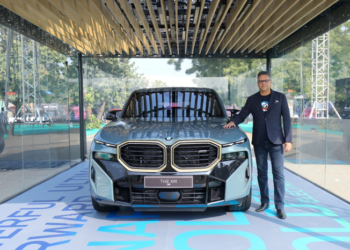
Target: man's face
pixel 264 83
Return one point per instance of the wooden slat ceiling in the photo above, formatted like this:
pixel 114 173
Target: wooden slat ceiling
pixel 169 27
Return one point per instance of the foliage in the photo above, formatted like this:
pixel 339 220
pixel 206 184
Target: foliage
pixel 108 82
pixel 92 123
pixel 332 124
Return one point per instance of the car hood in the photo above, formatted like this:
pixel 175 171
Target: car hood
pixel 178 129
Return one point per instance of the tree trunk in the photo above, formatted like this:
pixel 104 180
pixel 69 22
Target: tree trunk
pixel 11 131
pixel 87 110
pixel 8 64
pixel 100 112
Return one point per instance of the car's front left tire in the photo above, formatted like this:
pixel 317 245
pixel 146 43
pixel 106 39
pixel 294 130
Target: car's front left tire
pixel 103 208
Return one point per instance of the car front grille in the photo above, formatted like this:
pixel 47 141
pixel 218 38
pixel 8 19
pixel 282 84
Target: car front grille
pixel 142 155
pixel 183 156
pixel 195 155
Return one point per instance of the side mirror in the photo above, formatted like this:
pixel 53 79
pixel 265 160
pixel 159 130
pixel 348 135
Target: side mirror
pixel 113 114
pixel 232 112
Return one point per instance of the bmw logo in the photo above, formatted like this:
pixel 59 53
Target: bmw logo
pixel 168 138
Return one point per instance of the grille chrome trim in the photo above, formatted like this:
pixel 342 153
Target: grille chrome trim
pixel 142 169
pixel 196 169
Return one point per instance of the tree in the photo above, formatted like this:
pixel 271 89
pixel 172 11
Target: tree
pixel 8 63
pixel 224 75
pixel 109 82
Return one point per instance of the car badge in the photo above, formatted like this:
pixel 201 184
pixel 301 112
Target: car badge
pixel 168 138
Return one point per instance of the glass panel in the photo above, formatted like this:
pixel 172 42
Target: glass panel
pixel 11 160
pixel 55 69
pixel 293 75
pixel 36 133
pixel 35 129
pixel 338 130
pixel 73 109
pixel 312 140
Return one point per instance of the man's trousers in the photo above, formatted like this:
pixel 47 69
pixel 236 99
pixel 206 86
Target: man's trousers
pixel 277 161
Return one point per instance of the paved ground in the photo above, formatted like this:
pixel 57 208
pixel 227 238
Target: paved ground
pixel 58 215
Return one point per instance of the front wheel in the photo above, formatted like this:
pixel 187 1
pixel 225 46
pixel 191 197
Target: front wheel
pixel 103 208
pixel 244 206
pixel 2 146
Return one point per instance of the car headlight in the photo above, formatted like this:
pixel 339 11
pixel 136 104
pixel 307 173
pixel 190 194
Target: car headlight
pixel 104 156
pixel 106 144
pixel 234 143
pixel 234 156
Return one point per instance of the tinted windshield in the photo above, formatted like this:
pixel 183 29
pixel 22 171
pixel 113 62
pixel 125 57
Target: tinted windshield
pixel 174 104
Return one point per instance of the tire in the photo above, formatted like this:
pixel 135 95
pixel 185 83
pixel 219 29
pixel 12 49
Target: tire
pixel 103 208
pixel 244 207
pixel 2 146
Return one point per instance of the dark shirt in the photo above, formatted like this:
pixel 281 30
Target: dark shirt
pixel 265 106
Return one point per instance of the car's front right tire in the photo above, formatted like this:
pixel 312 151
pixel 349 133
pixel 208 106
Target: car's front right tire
pixel 243 207
pixel 103 208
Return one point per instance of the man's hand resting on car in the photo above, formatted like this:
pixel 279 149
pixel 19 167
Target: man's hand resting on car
pixel 230 125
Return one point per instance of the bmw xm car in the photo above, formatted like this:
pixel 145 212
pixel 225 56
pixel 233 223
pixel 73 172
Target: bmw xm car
pixel 168 151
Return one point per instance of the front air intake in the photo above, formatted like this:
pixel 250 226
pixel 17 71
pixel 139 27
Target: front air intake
pixel 142 156
pixel 184 196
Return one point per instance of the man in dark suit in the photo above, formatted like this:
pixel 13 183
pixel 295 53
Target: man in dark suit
pixel 267 107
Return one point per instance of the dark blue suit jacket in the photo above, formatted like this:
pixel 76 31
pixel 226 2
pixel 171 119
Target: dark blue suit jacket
pixel 278 107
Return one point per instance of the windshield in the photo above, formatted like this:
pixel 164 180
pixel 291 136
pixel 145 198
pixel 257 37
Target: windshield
pixel 174 103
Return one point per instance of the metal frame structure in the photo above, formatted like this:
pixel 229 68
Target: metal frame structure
pixel 81 109
pixel 320 78
pixel 31 83
pixel 151 29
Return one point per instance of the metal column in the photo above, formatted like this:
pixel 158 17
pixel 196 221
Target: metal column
pixel 268 62
pixel 81 108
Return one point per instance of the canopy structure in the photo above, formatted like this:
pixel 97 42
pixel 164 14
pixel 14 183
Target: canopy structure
pixel 164 28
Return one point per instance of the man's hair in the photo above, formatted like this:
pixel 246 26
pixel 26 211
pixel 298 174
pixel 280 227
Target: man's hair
pixel 264 73
pixel 2 109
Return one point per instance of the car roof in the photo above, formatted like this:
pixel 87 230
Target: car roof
pixel 165 89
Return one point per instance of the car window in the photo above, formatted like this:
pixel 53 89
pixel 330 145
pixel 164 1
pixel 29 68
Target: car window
pixel 173 104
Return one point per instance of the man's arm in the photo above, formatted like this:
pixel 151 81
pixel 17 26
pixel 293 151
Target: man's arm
pixel 242 114
pixel 240 117
pixel 287 124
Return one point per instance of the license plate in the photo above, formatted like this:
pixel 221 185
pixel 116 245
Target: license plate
pixel 168 182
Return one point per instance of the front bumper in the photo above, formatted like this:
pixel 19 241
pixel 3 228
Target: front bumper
pixel 112 184
pixel 171 207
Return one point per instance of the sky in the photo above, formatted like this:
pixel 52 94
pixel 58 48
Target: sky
pixel 157 66
pixel 158 69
